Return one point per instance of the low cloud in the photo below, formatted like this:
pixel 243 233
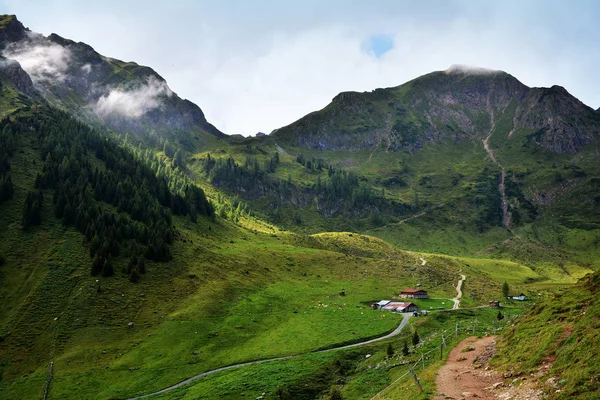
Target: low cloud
pixel 42 59
pixel 87 68
pixel 467 69
pixel 135 102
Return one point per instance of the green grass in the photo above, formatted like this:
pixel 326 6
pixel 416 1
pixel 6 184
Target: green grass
pixel 561 333
pixel 218 303
pixel 364 371
pixel 230 295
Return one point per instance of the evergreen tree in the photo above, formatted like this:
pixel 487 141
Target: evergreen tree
pixel 390 350
pixel 500 316
pixel 107 269
pixel 141 267
pixel 97 265
pixel 32 212
pixel 134 276
pixel 505 290
pixel 6 188
pixel 405 351
pixel 415 339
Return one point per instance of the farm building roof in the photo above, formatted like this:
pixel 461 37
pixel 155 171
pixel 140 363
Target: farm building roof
pixel 394 305
pixel 413 291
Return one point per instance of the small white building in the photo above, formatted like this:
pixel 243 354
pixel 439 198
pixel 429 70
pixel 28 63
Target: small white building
pixel 381 304
pixel 400 307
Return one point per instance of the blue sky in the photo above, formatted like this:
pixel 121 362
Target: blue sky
pixel 378 45
pixel 258 65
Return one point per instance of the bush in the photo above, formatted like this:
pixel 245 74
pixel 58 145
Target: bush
pixel 335 394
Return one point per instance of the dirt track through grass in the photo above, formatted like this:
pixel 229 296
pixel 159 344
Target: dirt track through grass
pixel 395 332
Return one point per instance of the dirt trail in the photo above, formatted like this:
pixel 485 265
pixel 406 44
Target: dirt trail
pixel 465 379
pixel 456 300
pixel 466 376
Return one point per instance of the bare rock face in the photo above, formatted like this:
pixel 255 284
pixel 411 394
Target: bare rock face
pixel 12 30
pixel 12 71
pixel 563 123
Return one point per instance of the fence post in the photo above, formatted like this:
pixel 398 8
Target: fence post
pixel 443 339
pixel 441 351
pixel 416 379
pixel 456 332
pixel 423 360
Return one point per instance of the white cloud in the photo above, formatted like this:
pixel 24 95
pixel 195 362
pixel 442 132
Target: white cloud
pixel 470 69
pixel 255 66
pixel 135 102
pixel 43 60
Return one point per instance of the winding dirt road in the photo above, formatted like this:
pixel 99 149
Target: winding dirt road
pixel 395 332
pixel 456 300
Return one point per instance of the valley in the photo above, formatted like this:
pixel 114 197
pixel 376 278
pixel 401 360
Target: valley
pixel 146 254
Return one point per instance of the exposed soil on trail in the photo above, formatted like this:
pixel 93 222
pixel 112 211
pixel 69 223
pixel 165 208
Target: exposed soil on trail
pixel 466 375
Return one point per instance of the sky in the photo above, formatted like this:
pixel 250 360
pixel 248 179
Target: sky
pixel 254 66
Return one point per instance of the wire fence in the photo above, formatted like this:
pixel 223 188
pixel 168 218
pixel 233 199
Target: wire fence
pixel 448 339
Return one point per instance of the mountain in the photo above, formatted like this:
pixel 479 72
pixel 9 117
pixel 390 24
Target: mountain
pixel 459 103
pixel 437 163
pixel 119 277
pixel 108 93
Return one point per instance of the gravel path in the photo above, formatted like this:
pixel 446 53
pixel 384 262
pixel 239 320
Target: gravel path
pixel 456 300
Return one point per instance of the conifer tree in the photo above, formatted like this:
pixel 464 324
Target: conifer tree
pixel 415 339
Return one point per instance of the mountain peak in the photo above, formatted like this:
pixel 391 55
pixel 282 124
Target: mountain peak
pixel 11 29
pixel 124 96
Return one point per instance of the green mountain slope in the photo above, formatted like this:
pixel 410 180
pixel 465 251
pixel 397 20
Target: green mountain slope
pixel 557 344
pixel 454 161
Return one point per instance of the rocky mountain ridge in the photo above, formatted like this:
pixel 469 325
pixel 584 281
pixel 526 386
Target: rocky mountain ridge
pixel 123 96
pixel 453 104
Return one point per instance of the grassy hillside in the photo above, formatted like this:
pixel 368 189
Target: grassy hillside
pixel 118 269
pixel 557 344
